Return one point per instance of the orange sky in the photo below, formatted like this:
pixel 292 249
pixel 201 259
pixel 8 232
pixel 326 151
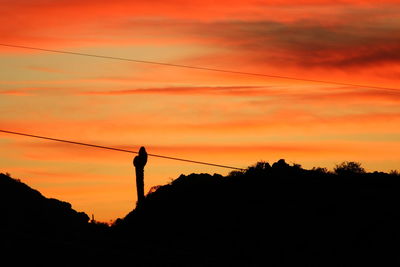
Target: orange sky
pixel 223 118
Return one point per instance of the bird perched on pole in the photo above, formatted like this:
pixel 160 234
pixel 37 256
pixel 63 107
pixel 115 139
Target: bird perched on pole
pixel 139 162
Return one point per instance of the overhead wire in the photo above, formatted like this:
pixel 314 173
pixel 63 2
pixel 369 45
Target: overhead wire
pixel 119 149
pixel 202 68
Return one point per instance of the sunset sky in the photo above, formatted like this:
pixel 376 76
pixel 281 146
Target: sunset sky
pixel 222 118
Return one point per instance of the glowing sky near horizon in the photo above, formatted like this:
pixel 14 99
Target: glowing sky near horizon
pixel 208 116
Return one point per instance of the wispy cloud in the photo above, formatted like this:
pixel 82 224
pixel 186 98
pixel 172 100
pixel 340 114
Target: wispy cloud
pixel 15 93
pixel 195 90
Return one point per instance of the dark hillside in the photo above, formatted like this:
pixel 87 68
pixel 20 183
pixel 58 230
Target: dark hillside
pixel 25 210
pixel 281 216
pixel 39 231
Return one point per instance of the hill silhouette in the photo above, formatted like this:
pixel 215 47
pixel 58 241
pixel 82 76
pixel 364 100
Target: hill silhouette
pixel 279 215
pixel 40 231
pixel 27 211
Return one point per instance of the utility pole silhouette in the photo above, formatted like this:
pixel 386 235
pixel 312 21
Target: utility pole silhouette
pixel 139 162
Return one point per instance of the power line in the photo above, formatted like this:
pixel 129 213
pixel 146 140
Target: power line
pixel 119 149
pixel 202 68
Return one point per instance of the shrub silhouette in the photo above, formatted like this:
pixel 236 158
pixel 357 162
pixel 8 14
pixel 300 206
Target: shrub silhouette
pixel 320 170
pixel 280 164
pixel 349 167
pixel 394 173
